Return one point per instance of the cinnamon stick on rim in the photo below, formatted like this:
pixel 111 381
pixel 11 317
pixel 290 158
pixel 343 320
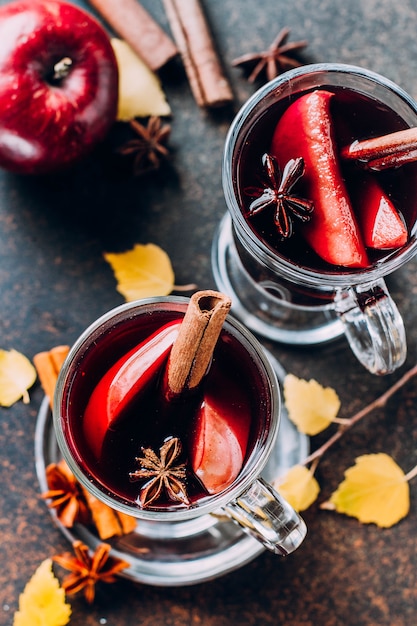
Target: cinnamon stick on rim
pixel 386 151
pixel 193 349
pixel 201 62
pixel 136 26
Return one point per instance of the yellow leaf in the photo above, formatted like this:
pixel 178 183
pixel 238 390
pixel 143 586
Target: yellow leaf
pixel 298 487
pixel 375 490
pixel 17 375
pixel 140 92
pixel 310 406
pixel 42 602
pixel 142 272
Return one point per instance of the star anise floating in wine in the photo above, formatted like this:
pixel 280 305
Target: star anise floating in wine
pixel 166 477
pixel 275 60
pixel 148 147
pixel 276 193
pixel 87 570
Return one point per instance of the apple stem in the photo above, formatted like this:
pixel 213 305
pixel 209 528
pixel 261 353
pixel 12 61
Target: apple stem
pixel 61 69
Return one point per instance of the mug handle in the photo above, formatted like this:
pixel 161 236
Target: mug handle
pixel 373 326
pixel 265 515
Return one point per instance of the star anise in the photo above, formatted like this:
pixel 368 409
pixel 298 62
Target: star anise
pixel 277 193
pixel 87 570
pixel 65 495
pixel 164 475
pixel 275 59
pixel 148 147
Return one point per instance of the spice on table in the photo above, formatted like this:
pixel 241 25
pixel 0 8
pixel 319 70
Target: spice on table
pixel 108 521
pixel 65 495
pixel 138 28
pixel 190 30
pixel 87 570
pixel 48 365
pixel 275 60
pixel 73 503
pixel 148 147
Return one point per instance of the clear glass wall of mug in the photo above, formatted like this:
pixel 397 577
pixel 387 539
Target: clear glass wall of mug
pixel 289 298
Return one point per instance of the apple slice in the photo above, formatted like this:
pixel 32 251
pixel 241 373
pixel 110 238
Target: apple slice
pixel 306 130
pixel 383 228
pixel 220 435
pixel 122 383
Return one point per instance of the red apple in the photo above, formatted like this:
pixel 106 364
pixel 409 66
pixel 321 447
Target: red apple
pixel 58 85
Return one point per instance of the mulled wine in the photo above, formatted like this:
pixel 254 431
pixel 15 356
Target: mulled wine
pixel 353 116
pixel 236 384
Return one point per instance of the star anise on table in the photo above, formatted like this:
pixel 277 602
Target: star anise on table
pixel 276 193
pixel 87 570
pixel 148 147
pixel 165 476
pixel 275 60
pixel 65 495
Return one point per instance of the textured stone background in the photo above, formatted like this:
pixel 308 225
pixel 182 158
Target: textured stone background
pixel 54 282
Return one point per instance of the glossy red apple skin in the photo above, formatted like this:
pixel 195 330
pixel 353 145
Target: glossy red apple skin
pixel 47 125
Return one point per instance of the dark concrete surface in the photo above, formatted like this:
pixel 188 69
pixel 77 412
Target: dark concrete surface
pixel 54 282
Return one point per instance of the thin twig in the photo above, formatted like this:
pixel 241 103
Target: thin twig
pixel 411 474
pixel 378 403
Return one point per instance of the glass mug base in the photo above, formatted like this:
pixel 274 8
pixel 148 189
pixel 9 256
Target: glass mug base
pixel 262 306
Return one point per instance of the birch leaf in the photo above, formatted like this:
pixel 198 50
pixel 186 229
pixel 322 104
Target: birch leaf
pixel 140 91
pixel 17 375
pixel 375 490
pixel 298 487
pixel 42 602
pixel 142 272
pixel 310 406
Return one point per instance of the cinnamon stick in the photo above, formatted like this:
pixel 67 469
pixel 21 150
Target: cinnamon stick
pixel 108 521
pixel 48 365
pixel 138 28
pixel 201 62
pixel 193 349
pixel 386 151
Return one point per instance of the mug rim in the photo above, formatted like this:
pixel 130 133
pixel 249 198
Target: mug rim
pixel 253 465
pixel 263 253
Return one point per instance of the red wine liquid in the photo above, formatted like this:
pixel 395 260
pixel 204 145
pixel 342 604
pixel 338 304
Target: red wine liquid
pixel 355 116
pixel 150 421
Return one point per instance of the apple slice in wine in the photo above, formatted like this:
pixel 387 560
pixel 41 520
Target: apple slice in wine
pixel 220 434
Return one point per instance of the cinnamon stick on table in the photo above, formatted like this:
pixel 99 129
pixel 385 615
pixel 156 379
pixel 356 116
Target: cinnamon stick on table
pixel 136 26
pixel 193 349
pixel 201 62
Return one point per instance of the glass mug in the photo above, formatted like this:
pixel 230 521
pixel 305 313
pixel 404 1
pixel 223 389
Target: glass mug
pixel 288 301
pixel 249 500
